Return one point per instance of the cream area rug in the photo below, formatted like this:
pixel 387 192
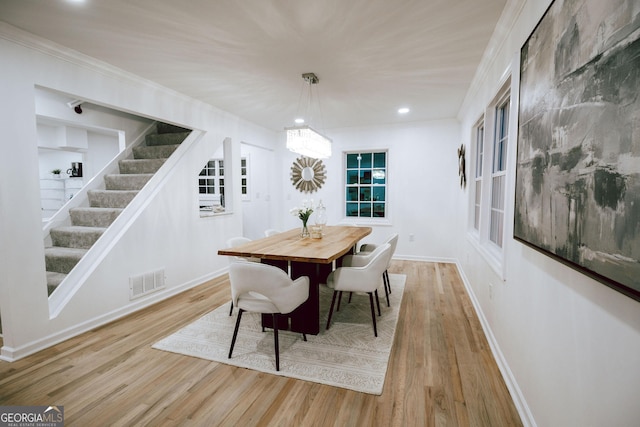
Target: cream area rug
pixel 348 355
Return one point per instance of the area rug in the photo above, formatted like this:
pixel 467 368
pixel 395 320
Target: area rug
pixel 348 355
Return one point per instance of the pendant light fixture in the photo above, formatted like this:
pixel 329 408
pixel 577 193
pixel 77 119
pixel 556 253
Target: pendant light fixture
pixel 303 139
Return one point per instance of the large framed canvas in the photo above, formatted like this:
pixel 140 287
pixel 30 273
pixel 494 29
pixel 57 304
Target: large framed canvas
pixel 578 163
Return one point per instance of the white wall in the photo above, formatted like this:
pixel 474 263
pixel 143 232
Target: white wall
pixel 422 185
pixel 168 234
pixel 257 205
pixel 568 345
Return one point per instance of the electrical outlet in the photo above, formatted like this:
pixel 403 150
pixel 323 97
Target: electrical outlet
pixel 411 237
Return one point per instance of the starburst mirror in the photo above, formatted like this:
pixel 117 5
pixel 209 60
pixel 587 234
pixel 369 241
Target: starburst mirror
pixel 307 174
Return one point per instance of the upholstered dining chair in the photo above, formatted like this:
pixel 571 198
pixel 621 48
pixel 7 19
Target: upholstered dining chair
pixel 270 232
pixel 231 243
pixel 368 248
pixel 361 259
pixel 262 288
pixel 365 278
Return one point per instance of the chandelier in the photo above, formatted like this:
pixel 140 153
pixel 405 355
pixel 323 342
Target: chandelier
pixel 303 139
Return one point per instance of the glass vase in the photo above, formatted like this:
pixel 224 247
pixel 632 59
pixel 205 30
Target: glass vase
pixel 321 216
pixel 305 231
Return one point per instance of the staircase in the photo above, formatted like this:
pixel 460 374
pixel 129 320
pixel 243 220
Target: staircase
pixel 70 243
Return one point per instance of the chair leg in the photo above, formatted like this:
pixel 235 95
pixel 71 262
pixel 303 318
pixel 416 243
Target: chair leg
pixel 387 287
pixel 386 275
pixel 350 295
pixel 333 301
pixel 275 342
pixel 235 332
pixel 378 303
pixel 339 301
pixel 373 314
pixel 231 309
pixel 304 336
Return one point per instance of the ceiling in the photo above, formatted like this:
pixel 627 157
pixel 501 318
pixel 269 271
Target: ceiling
pixel 247 56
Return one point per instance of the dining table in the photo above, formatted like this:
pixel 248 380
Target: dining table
pixel 303 256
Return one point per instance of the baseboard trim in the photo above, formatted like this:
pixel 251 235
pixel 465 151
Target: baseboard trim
pixel 514 389
pixel 11 354
pixel 425 259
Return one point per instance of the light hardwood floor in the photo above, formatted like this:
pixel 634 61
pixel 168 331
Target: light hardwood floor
pixel 441 371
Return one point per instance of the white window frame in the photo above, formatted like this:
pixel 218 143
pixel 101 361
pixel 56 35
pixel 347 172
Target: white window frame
pixel 478 154
pixel 499 163
pixel 372 219
pixel 245 182
pixel 493 253
pixel 226 187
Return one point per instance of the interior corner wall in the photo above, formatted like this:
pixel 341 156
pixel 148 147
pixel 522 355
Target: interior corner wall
pixel 169 234
pixel 568 345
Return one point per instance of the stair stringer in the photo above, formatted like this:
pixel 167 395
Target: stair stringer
pixel 76 278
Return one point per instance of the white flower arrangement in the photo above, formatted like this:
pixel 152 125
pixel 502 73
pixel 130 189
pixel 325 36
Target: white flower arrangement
pixel 303 212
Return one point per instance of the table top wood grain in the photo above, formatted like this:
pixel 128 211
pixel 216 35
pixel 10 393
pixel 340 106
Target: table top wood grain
pixel 337 241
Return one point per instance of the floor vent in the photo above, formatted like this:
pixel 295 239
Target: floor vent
pixel 145 283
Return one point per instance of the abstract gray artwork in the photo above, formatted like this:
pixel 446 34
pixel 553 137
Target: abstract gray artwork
pixel 578 164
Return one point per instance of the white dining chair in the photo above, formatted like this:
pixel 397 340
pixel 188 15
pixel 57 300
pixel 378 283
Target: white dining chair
pixel 265 289
pixel 368 248
pixel 232 243
pixel 365 279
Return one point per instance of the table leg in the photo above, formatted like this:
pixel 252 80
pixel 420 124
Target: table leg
pixel 306 318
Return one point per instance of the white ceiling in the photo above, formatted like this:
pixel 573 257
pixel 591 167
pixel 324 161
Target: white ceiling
pixel 247 56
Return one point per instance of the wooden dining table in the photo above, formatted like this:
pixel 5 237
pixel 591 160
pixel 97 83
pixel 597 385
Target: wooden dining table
pixel 303 256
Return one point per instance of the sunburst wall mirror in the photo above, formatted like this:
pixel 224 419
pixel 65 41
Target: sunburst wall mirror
pixel 308 174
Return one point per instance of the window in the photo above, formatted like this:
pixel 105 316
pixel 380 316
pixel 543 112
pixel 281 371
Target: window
pixel 243 174
pixel 479 150
pixel 498 172
pixel 366 185
pixel 211 184
pixel 211 177
pixel 488 200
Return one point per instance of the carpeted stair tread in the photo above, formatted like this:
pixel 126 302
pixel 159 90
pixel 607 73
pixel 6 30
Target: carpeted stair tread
pixel 76 236
pixel 154 152
pixel 62 260
pixel 53 280
pixel 129 181
pixel 94 217
pixel 162 127
pixel 110 198
pixel 165 138
pixel 136 166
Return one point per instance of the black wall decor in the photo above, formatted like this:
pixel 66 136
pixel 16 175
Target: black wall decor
pixel 462 166
pixel 578 164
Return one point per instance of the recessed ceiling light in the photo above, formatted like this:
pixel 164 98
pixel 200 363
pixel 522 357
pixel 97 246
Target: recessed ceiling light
pixel 299 121
pixel 403 110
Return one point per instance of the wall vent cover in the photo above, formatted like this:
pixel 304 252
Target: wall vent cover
pixel 146 283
